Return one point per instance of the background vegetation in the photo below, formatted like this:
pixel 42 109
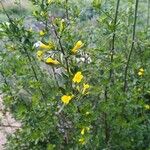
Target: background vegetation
pixel 85 85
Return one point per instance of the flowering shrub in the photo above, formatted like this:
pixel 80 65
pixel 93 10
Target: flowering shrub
pixel 79 80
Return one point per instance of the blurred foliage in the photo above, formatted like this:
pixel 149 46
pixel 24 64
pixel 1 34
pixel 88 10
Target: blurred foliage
pixel 99 113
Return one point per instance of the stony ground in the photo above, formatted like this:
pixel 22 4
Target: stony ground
pixel 7 125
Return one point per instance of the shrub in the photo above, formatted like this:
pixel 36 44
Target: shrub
pixel 78 78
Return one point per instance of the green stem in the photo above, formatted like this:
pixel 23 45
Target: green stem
pixel 106 128
pixel 113 43
pixel 33 69
pixel 132 46
pixel 61 48
pixel 67 13
pixel 148 15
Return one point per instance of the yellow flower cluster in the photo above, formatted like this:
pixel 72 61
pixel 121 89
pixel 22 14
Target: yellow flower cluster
pixel 77 46
pixel 77 77
pixel 141 72
pixel 52 61
pixel 44 48
pixel 82 139
pixel 49 61
pixel 66 99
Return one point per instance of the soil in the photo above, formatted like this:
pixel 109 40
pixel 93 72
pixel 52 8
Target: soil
pixel 8 125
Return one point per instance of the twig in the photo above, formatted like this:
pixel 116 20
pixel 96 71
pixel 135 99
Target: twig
pixel 107 129
pixel 148 15
pixel 61 47
pixel 33 69
pixel 132 46
pixel 113 43
pixel 67 14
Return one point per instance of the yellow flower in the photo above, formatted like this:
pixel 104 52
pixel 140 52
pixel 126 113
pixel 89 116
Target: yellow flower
pixel 41 45
pixel 77 77
pixel 77 46
pixel 85 87
pixel 42 33
pixel 141 72
pixel 52 61
pixel 87 113
pixel 39 54
pixel 44 46
pixel 147 106
pixel 83 131
pixel 82 140
pixel 66 99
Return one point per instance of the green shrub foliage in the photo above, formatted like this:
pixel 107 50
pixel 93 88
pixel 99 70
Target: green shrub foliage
pixel 76 75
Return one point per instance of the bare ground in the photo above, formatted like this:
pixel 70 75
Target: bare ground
pixel 8 125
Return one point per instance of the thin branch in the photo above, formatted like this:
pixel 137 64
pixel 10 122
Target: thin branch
pixel 148 15
pixel 113 42
pixel 67 13
pixel 107 128
pixel 61 47
pixel 107 14
pixel 132 46
pixel 33 69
